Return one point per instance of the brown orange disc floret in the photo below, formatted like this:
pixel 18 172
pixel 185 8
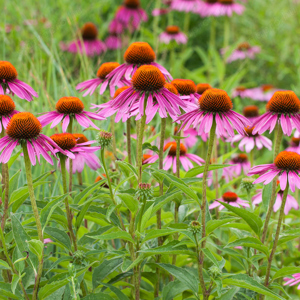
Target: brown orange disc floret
pixel 244 46
pixel 69 105
pixel 145 157
pixel 287 160
pixel 23 126
pixel 80 138
pixel 202 87
pixel 249 131
pixel 148 78
pixel 267 87
pixel 240 158
pixel 106 68
pixel 211 1
pixel 7 71
pixel 89 31
pixel 173 146
pixel 172 29
pixel 240 88
pixel 284 102
pixel 7 105
pixel 230 197
pixel 295 141
pixel 132 3
pixel 184 86
pixel 171 87
pixel 139 53
pixel 65 141
pixel 215 100
pixel 120 90
pixel 226 2
pixel 251 111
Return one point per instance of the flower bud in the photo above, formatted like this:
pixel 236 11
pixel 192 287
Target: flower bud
pixel 195 227
pixel 144 191
pixel 247 184
pixel 104 138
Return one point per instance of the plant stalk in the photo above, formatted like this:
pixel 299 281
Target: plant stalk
pixel 128 137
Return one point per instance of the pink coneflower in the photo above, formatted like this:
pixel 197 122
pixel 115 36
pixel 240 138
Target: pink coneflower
pixel 113 42
pixel 7 110
pixel 227 8
pixel 67 108
pixel 25 129
pixel 131 14
pixel 243 51
pixel 293 281
pixel 173 33
pixel 89 44
pixel 137 54
pixel 251 112
pixel 207 8
pixel 248 140
pixel 115 29
pixel 262 93
pixel 187 89
pixel 105 69
pixel 286 164
pixel 186 5
pixel 170 160
pixel 215 104
pixel 202 87
pixel 282 109
pixel 240 164
pixel 294 145
pixel 231 199
pixel 9 82
pixel 84 154
pixel 148 88
pixel 291 202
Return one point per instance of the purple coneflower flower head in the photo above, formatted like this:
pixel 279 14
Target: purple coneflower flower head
pixel 84 154
pixel 7 110
pixel 231 199
pixel 148 89
pixel 240 164
pixel 248 140
pixel 89 86
pixel 170 160
pixel 227 8
pixel 291 202
pixel 202 87
pixel 243 51
pixel 113 42
pixel 9 82
pixel 293 281
pixel 67 108
pixel 88 44
pixel 131 14
pixel 282 109
pixel 286 165
pixel 207 8
pixel 251 112
pixel 187 89
pixel 137 54
pixel 173 33
pixel 186 5
pixel 25 129
pixel 294 145
pixel 215 104
pixel 116 27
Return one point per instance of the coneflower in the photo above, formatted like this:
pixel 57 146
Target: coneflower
pixel 251 112
pixel 173 33
pixel 10 82
pixel 294 145
pixel 187 89
pixel 202 87
pixel 230 198
pixel 7 110
pixel 243 51
pixel 186 5
pixel 207 8
pixel 67 109
pixel 89 86
pixel 227 8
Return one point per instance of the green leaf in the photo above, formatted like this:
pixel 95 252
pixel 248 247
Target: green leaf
pixel 131 202
pixel 13 158
pixel 81 197
pixel 244 281
pixel 214 224
pixel 152 234
pixel 211 257
pixel 250 218
pixel 183 276
pixel 13 182
pixel 98 296
pixel 36 247
pixel 103 270
pixel 5 290
pixel 116 291
pixel 59 236
pixel 14 282
pixel 82 213
pixel 57 262
pixel 123 235
pixel 170 248
pixel 285 272
pixel 172 289
pixel 4 265
pixel 199 170
pixel 146 217
pixel 126 168
pixel 229 294
pixel 266 195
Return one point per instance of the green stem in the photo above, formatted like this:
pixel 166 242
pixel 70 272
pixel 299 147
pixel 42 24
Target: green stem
pixel 178 156
pixel 112 129
pixel 36 216
pixel 67 206
pixel 226 34
pixel 70 130
pixel 140 146
pixel 279 134
pixel 128 137
pixel 176 235
pixel 155 25
pixel 204 200
pixel 281 215
pixel 252 158
pixel 186 25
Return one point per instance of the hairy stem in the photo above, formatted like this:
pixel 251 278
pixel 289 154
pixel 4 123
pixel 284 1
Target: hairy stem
pixel 140 147
pixel 128 137
pixel 178 156
pixel 70 130
pixel 112 129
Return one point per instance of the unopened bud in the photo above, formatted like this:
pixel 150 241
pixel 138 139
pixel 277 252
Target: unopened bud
pixel 104 138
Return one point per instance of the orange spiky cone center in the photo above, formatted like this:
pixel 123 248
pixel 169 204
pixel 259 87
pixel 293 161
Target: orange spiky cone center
pixel 240 88
pixel 132 3
pixel 139 53
pixel 284 102
pixel 148 78
pixel 7 71
pixel 215 100
pixel 23 126
pixel 172 29
pixel 244 46
pixel 295 141
pixel 145 157
pixel 89 31
pixel 69 105
pixel 249 131
pixel 230 197
pixel 120 90
pixel 251 111
pixel 81 138
pixel 241 158
pixel 65 141
pixel 106 68
pixel 173 146
pixel 7 105
pixel 184 86
pixel 287 160
pixel 171 88
pixel 226 2
pixel 202 87
pixel 267 87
